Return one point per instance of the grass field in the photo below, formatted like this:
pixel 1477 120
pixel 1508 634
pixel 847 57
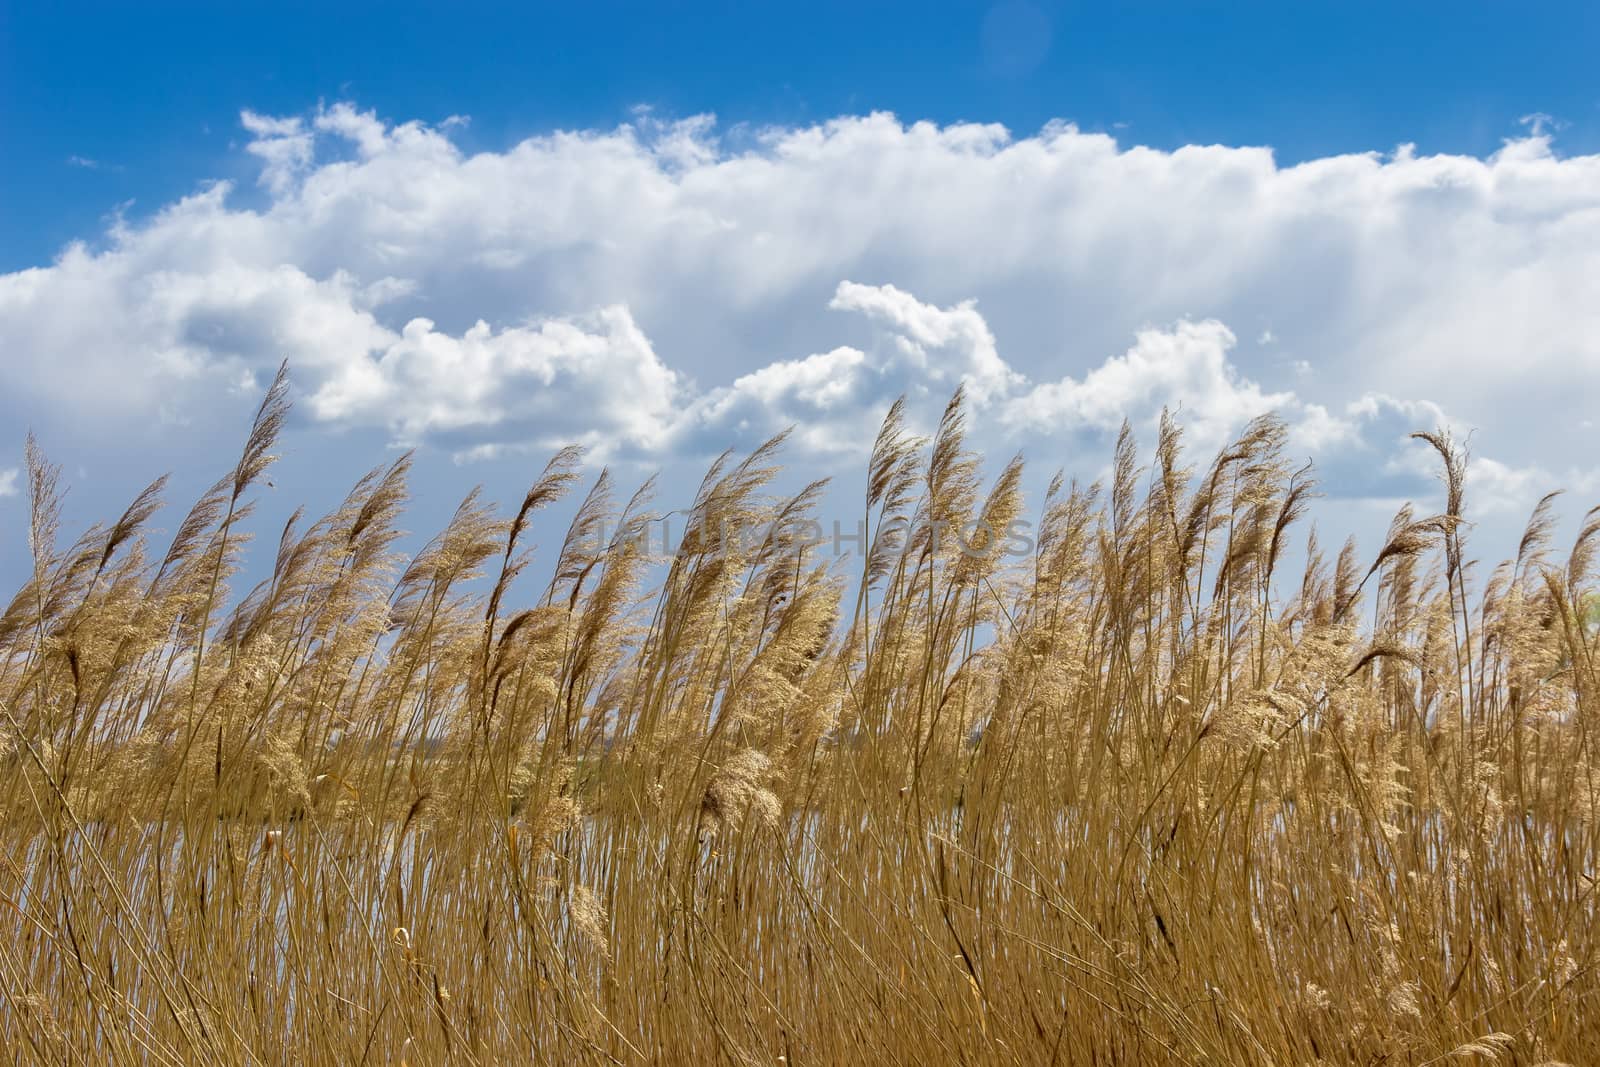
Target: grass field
pixel 1130 797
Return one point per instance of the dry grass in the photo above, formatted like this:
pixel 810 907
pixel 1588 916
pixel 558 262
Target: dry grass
pixel 1114 802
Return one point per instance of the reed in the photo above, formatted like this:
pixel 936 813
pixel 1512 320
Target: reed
pixel 1117 799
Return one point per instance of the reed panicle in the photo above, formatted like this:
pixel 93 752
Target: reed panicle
pixel 1097 794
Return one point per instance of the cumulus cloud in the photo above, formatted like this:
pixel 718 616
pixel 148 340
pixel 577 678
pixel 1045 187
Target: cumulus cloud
pixel 926 351
pixel 821 396
pixel 663 284
pixel 923 333
pixel 283 145
pixel 595 380
pixel 8 482
pixel 1185 369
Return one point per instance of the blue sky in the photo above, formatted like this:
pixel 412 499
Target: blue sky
pixel 483 231
pixel 152 91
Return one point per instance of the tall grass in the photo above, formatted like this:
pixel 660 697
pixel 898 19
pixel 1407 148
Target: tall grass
pixel 1113 801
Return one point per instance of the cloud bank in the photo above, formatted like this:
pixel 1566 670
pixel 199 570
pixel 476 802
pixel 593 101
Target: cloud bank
pixel 663 287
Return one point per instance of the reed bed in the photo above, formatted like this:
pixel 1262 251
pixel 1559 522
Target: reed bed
pixel 1129 796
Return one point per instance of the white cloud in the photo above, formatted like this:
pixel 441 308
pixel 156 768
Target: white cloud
pixel 1318 431
pixel 820 382
pixel 661 282
pixel 1418 414
pixel 8 482
pixel 924 334
pixel 926 350
pixel 821 397
pixel 595 380
pixel 1186 369
pixel 1493 486
pixel 284 147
